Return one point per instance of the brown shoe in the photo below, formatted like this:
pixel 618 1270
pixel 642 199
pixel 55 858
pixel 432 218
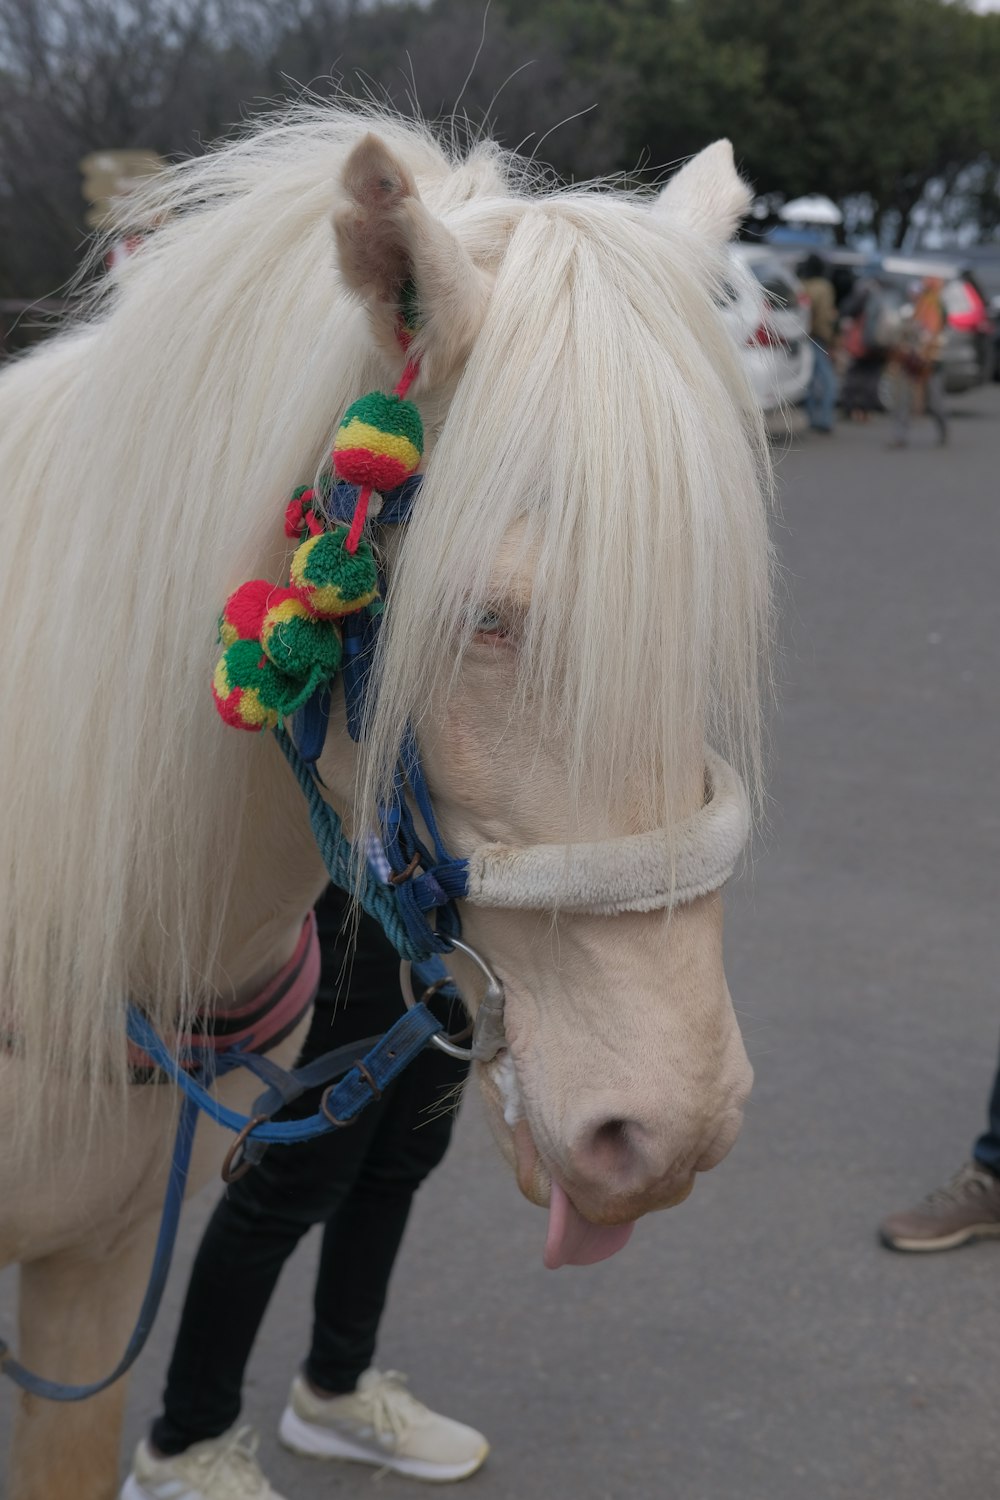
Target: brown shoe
pixel 967 1209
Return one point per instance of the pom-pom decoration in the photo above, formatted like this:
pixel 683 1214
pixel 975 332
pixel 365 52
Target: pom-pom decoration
pixel 244 612
pixel 300 516
pixel 298 642
pixel 330 580
pixel 251 693
pixel 283 644
pixel 379 443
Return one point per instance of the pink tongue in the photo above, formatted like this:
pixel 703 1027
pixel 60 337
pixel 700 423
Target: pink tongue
pixel 572 1241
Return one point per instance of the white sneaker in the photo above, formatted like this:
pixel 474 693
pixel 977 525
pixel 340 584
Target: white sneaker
pixel 381 1423
pixel 224 1468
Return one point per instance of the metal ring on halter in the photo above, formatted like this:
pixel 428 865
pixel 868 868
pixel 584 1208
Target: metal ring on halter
pixel 487 1028
pixel 235 1165
pixel 454 1037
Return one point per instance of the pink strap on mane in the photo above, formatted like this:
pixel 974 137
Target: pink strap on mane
pixel 263 1022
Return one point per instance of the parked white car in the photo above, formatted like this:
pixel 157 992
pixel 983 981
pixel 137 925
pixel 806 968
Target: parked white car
pixel 768 314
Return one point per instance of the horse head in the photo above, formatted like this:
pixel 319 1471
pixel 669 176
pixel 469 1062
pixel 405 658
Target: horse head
pixel 581 586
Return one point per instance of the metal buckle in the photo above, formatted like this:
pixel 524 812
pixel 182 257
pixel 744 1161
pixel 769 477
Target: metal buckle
pixel 366 1078
pixel 487 1027
pixel 373 1087
pixel 324 1105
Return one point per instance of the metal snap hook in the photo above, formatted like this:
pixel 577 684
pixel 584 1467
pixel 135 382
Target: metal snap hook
pixel 487 1028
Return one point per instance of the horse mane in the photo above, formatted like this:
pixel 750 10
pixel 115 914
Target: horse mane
pixel 145 455
pixel 612 418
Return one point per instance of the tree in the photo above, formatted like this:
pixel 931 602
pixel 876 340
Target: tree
pixel 88 75
pixel 880 97
pixel 883 103
pixel 870 99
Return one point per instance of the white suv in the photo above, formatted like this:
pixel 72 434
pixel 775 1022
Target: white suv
pixel 768 314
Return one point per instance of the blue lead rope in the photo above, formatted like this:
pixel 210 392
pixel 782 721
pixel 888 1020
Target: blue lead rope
pixel 55 1390
pixel 391 1054
pixel 341 1106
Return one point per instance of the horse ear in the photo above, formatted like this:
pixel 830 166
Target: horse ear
pixel 708 194
pixel 387 241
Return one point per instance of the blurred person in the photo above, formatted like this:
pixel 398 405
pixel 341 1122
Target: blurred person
pixel 843 280
pixel 966 1208
pixel 359 1183
pixel 821 397
pixel 870 333
pixel 917 370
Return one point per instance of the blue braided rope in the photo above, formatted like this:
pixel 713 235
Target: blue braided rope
pixel 378 900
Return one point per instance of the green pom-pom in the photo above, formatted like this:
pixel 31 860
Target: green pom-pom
pixel 297 641
pixel 329 580
pixel 380 441
pixel 386 415
pixel 245 670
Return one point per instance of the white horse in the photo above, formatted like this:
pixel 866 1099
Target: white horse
pixel 580 602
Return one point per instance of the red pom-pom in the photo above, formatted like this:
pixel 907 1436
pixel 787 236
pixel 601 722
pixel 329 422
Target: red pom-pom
pixel 244 613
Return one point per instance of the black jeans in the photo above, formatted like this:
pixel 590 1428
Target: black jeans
pixel 359 1182
pixel 987 1148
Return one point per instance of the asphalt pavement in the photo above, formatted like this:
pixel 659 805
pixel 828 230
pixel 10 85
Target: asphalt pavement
pixel 757 1343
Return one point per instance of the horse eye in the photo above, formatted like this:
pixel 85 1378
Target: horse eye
pixel 490 623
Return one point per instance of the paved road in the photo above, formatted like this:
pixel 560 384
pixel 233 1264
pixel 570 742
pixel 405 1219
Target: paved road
pixel 757 1344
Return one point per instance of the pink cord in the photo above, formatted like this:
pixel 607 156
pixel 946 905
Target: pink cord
pixel 356 532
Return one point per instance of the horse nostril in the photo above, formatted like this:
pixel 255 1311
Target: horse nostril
pixel 611 1148
pixel 612 1135
pixel 612 1153
pixel 649 1157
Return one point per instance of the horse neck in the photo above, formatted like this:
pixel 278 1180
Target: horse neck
pixel 277 879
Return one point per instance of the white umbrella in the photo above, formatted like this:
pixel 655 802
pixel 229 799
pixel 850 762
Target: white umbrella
pixel 814 208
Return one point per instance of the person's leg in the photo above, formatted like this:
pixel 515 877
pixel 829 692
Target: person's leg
pixel 812 392
pixel 822 399
pixel 935 402
pixel 901 406
pixel 362 1239
pixel 987 1149
pixel 261 1219
pixel 256 1226
pixel 339 1407
pixel 855 392
pixel 831 392
pixel 966 1208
